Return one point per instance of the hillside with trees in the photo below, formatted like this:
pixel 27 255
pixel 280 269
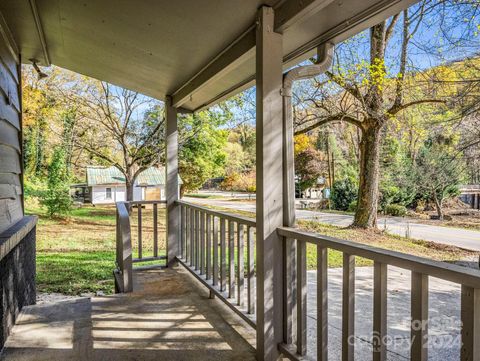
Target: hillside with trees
pixel 71 121
pixel 396 117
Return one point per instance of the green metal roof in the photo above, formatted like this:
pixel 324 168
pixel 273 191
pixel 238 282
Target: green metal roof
pixel 152 176
pixel 111 175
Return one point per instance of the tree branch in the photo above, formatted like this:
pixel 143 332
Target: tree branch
pixel 341 82
pixel 397 108
pixel 390 28
pixel 331 119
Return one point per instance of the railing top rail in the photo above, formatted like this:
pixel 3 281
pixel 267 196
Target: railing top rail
pixel 146 202
pixel 123 234
pixel 449 272
pixel 231 217
pixel 122 211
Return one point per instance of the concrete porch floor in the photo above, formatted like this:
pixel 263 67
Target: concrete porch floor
pixel 168 317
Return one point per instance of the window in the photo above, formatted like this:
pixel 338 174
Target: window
pixel 108 193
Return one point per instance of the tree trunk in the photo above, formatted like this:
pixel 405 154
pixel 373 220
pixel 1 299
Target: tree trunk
pixel 129 191
pixel 367 206
pixel 438 205
pixel 330 179
pixel 366 214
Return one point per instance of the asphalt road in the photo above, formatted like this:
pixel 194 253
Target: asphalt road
pixel 463 238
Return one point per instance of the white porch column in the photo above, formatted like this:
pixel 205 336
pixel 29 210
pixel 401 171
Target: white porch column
pixel 171 189
pixel 269 186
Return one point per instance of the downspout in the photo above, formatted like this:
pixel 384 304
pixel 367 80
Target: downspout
pixel 324 61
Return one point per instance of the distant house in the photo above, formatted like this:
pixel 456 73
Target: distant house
pixel 470 194
pixel 317 191
pixel 107 185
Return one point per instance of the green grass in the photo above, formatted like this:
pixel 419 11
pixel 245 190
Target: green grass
pixel 379 239
pixel 74 273
pixel 76 254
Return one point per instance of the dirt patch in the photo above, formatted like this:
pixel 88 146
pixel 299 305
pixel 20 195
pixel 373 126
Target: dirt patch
pixel 380 239
pixel 457 218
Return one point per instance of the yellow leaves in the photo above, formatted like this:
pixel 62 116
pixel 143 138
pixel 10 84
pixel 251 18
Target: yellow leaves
pixel 34 105
pixel 377 73
pixel 301 143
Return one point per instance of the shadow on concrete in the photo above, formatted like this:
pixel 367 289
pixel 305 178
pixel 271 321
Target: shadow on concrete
pixel 168 317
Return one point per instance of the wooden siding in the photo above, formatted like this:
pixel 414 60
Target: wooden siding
pixel 9 135
pixel 152 194
pixel 8 60
pixel 9 160
pixel 11 202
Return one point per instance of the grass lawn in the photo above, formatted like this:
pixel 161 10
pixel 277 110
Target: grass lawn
pixel 77 255
pixel 75 272
pixel 379 239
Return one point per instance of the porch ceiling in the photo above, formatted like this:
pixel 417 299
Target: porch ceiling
pixel 197 51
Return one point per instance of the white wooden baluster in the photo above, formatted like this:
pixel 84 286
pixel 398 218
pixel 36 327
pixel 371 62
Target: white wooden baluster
pixel 348 307
pixel 419 314
pixel 322 303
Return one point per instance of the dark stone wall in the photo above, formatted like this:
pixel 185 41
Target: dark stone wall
pixel 17 283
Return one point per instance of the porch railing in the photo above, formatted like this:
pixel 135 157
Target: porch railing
pixel 218 249
pixel 421 269
pixel 129 213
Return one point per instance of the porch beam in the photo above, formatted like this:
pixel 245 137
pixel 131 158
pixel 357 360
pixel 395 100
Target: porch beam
pixel 289 13
pixel 173 214
pixel 269 186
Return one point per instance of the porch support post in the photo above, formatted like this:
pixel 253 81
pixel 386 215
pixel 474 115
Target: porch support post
pixel 269 186
pixel 290 245
pixel 171 191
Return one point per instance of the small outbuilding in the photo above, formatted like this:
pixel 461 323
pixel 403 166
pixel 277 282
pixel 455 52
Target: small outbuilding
pixel 106 185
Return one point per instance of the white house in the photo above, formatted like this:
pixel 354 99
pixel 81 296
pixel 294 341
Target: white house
pixel 106 185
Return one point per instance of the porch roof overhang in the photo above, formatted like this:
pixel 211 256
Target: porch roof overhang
pixel 199 52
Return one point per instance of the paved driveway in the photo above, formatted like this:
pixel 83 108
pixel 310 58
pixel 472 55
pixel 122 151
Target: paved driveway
pixel 463 238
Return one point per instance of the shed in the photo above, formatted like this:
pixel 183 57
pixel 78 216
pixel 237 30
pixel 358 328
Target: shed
pixel 106 185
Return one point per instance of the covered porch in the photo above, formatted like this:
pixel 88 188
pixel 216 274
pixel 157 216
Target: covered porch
pixel 168 317
pixel 194 54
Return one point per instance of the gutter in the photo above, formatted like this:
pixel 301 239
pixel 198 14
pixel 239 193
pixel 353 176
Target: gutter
pixel 323 63
pixel 40 32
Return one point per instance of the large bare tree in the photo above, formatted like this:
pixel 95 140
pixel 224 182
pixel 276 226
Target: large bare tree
pixel 120 127
pixel 369 92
